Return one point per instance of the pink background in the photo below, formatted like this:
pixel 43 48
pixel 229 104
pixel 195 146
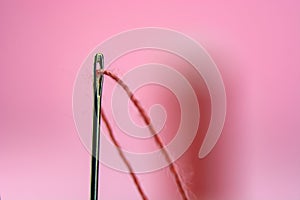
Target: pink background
pixel 255 45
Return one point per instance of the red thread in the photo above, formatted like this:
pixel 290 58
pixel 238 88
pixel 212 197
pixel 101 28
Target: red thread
pixel 157 139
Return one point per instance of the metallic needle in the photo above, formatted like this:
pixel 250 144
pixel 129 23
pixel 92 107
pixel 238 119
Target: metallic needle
pixel 98 84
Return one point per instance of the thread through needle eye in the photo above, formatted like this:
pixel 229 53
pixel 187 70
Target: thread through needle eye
pixel 98 86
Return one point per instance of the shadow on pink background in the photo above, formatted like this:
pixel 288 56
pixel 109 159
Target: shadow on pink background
pixel 255 44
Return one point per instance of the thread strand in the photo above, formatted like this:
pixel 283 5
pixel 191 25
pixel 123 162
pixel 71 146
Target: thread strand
pixel 147 121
